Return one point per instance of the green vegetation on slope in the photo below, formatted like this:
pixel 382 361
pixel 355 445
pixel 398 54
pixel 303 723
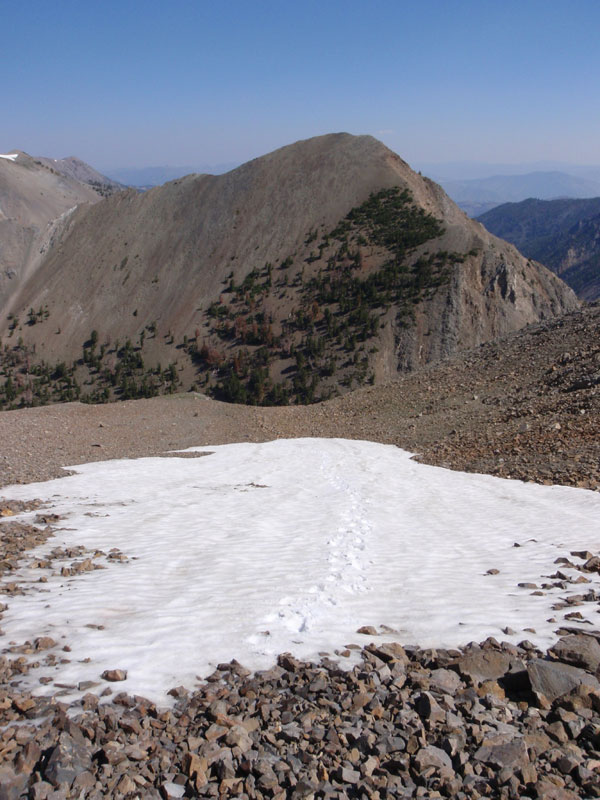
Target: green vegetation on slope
pixel 296 332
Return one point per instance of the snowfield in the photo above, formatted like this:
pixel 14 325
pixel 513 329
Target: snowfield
pixel 10 156
pixel 255 549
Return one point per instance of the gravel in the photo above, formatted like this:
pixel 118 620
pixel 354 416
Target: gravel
pixel 526 406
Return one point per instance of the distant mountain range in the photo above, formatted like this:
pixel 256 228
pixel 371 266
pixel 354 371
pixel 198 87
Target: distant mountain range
pixel 562 234
pixel 470 170
pixel 147 177
pixel 475 196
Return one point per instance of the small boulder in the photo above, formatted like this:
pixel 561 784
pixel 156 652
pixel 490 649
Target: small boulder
pixel 67 760
pixel 445 681
pixel 592 564
pixel 483 665
pixel 114 674
pixel 579 650
pixel 428 708
pixel 554 679
pixel 12 785
pixel 44 643
pixel 432 756
pixel 500 752
pixel 171 791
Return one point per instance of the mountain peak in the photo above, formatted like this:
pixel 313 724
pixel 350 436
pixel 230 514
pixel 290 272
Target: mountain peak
pixel 320 266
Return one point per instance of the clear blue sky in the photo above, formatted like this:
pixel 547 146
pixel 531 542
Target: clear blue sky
pixel 148 82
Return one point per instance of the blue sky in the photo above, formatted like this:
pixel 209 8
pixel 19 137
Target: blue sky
pixel 195 82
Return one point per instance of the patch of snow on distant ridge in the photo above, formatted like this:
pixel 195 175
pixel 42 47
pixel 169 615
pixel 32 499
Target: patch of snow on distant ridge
pixel 10 156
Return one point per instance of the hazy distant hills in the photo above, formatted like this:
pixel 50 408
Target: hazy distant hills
pixel 466 170
pixel 475 196
pixel 147 177
pixel 562 234
pixel 316 268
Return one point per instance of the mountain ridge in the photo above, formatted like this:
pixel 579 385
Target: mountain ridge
pixel 317 267
pixel 35 195
pixel 148 177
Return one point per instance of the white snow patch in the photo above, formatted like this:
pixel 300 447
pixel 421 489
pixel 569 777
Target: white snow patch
pixel 10 156
pixel 292 545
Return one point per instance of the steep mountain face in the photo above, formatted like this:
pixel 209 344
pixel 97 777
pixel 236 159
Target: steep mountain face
pixel 36 196
pixel 316 268
pixel 562 234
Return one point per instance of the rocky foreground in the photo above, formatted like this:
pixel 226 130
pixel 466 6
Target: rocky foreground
pixel 491 720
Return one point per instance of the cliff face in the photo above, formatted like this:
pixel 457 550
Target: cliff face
pixel 325 263
pixel 562 234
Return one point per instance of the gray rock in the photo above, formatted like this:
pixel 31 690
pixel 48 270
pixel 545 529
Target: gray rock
pixel 428 708
pixel 549 791
pixel 11 785
pixel 445 681
pixel 501 752
pixel 579 650
pixel 40 790
pixel 432 756
pixel 171 791
pixel 238 737
pixel 67 760
pixel 592 564
pixel 347 775
pixel 554 679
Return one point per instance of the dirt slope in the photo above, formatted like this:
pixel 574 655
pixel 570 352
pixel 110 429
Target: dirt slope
pixel 526 406
pixel 35 199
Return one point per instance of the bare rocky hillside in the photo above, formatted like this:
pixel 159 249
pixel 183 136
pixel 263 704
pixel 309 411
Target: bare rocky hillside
pixel 322 266
pixel 77 169
pixel 36 197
